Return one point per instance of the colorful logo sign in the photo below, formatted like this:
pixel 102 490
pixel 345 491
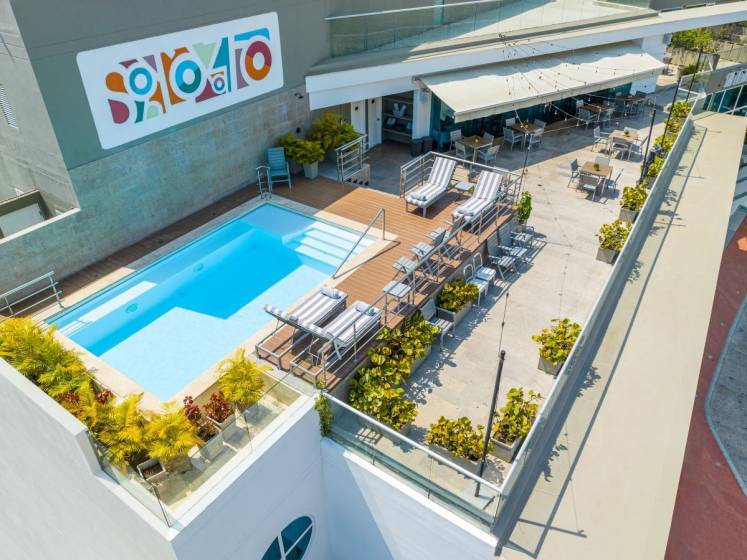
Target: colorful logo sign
pixel 138 88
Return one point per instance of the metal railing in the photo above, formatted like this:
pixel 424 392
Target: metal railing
pixel 27 292
pixel 351 158
pixel 380 212
pixel 437 477
pixel 553 408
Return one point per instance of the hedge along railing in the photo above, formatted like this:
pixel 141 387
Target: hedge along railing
pixel 520 477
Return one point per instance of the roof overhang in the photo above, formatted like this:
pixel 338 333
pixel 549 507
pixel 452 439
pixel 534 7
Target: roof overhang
pixel 508 86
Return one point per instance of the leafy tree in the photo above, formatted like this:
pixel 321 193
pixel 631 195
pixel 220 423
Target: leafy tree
pixel 693 39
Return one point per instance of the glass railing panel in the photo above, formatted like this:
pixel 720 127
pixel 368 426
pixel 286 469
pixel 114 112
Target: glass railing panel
pixel 437 478
pixel 166 493
pixel 416 26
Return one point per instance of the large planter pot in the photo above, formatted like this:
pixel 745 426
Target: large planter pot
pixel 608 256
pixel 549 367
pixel 520 226
pixel 152 470
pixel 417 363
pixel 466 464
pixel 212 448
pixel 505 452
pixel 311 170
pixel 454 317
pixel 405 430
pixel 179 465
pixel 222 425
pixel 627 215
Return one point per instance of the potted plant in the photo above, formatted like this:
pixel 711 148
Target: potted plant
pixel 523 210
pixel 555 344
pixel 169 438
pixel 309 153
pixel 611 240
pixel 321 404
pixel 455 300
pixel 241 380
pixel 331 131
pixel 124 432
pixel 457 440
pixel 206 430
pixel 376 391
pixel 654 169
pixel 410 344
pixel 218 411
pixel 513 423
pixel 289 142
pixel 633 199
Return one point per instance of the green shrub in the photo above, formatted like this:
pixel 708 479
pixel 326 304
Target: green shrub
pixel 170 435
pixel 665 142
pixel 123 432
pixel 456 294
pixel 308 151
pixel 289 142
pixel 655 168
pixel 321 404
pixel 612 236
pixel 557 341
pixel 331 131
pixel 374 395
pixel 680 109
pixel 457 436
pixel 633 198
pixel 241 381
pixel 524 207
pixel 516 417
pixel 693 39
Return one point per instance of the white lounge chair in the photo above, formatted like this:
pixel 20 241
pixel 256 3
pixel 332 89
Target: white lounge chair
pixel 436 185
pixel 486 193
pixel 348 327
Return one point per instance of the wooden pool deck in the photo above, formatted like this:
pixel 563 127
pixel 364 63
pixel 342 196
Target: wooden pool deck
pixel 364 282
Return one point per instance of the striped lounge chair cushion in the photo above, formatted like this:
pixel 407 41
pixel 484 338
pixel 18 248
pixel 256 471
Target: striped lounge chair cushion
pixel 488 185
pixel 473 207
pixel 355 320
pixel 319 306
pixel 438 180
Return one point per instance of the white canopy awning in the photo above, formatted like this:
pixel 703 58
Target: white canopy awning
pixel 497 88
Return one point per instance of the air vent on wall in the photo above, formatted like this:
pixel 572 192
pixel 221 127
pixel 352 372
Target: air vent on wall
pixel 10 116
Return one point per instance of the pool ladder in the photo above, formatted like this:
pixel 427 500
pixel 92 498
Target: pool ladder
pixel 264 184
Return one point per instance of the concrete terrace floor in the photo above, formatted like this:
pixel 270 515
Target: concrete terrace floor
pixel 562 279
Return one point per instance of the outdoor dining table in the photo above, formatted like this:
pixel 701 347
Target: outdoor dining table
pixel 624 138
pixel 600 170
pixel 594 107
pixel 525 129
pixel 475 143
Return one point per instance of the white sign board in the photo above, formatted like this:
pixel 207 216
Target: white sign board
pixel 138 88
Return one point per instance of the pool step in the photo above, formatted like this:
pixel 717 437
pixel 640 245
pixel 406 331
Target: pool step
pixel 318 255
pixel 328 244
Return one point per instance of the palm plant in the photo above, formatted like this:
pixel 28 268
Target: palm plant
pixel 124 432
pixel 241 380
pixel 89 409
pixel 169 436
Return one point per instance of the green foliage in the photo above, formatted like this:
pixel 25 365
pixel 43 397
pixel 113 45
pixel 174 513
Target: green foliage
pixel 123 432
pixel 289 142
pixel 557 341
pixel 654 168
pixel 693 39
pixel 517 416
pixel 170 435
pixel 680 109
pixel 241 380
pixel 612 236
pixel 524 207
pixel 308 151
pixel 325 415
pixel 633 198
pixel 457 436
pixel 331 131
pixel 36 352
pixel 456 294
pixel 665 142
pixel 217 407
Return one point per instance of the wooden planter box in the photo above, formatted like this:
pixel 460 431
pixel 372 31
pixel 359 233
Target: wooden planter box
pixel 627 215
pixel 417 363
pixel 505 452
pixel 608 256
pixel 454 317
pixel 549 367
pixel 466 464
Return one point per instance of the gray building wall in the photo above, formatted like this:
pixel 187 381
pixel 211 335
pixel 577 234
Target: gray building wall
pixel 29 155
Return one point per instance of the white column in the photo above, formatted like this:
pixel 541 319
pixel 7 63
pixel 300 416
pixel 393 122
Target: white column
pixel 374 121
pixel 656 46
pixel 421 110
pixel 358 116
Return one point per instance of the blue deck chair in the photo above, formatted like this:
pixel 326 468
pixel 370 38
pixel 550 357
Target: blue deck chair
pixel 278 169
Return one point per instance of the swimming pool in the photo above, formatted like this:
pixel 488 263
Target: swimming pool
pixel 169 322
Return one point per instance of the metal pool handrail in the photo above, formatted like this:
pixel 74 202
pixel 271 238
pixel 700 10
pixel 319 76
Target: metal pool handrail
pixel 381 212
pixel 56 293
pixel 415 444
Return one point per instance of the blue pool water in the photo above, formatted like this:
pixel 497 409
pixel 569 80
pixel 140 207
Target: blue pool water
pixel 166 324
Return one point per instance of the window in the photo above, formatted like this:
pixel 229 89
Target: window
pixel 10 116
pixel 292 542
